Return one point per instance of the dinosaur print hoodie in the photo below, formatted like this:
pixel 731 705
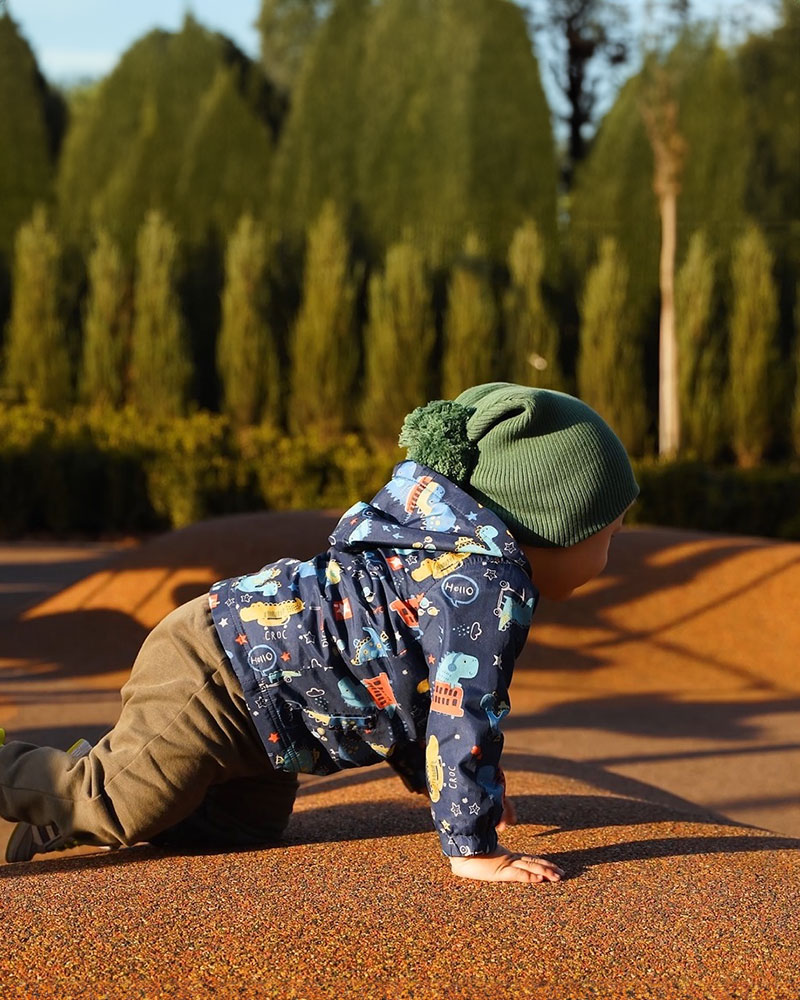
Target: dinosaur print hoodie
pixel 397 644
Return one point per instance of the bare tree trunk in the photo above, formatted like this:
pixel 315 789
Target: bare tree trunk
pixel 668 401
pixel 660 114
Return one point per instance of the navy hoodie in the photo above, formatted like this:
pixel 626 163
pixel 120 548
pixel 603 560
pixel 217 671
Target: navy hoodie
pixel 397 644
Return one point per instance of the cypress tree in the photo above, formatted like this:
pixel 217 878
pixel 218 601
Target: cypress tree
pixel 609 360
pixel 106 330
pixel 166 104
pixel 400 339
pixel 700 369
pixel 37 362
pixel 246 357
pixel 324 352
pixel 613 191
pixel 752 347
pixel 31 127
pixel 315 157
pixel 471 352
pixel 160 365
pixel 531 336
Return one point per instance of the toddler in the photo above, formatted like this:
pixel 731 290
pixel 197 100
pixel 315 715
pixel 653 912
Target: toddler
pixel 396 644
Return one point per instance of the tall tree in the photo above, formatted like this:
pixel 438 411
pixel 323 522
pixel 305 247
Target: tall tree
pixel 404 129
pixel 531 336
pixel 752 347
pixel 613 191
pixel 701 374
pixel 184 124
pixel 470 354
pixel 609 361
pixel 246 356
pixel 37 362
pixel 31 129
pixel 324 351
pixel 660 112
pixel 160 367
pixel 106 328
pixel 399 343
pixel 586 40
pixel 287 28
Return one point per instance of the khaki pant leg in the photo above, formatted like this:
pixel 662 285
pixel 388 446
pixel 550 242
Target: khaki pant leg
pixel 184 727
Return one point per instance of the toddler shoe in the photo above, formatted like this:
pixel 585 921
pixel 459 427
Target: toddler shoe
pixel 27 839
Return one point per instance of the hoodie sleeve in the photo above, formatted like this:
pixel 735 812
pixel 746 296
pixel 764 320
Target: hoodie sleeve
pixel 484 615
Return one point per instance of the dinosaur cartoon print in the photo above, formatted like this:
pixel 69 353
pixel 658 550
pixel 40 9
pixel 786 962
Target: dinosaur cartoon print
pixel 272 615
pixel 513 608
pixel 264 582
pixel 372 646
pixel 448 695
pixel 439 567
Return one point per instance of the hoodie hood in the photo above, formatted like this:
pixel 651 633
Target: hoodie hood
pixel 420 509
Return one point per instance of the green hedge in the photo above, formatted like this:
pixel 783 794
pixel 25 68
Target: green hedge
pixel 92 474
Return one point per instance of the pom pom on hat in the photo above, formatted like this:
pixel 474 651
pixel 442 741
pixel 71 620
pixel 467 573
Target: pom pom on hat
pixel 436 435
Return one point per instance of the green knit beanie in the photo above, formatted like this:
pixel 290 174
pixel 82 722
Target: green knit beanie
pixel 546 463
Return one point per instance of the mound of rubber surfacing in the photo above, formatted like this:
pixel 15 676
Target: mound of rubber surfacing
pixel 663 901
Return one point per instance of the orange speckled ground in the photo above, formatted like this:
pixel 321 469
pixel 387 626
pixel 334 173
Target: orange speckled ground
pixel 650 714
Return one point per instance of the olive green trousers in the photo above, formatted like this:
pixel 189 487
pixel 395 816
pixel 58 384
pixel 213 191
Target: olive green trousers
pixel 183 766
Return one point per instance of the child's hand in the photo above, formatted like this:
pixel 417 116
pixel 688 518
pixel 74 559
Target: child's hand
pixel 504 866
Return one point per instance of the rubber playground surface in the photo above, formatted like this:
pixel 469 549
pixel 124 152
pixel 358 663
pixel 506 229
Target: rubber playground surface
pixel 652 752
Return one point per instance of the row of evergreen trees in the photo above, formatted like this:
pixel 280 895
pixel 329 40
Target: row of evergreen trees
pixel 135 349
pixel 402 206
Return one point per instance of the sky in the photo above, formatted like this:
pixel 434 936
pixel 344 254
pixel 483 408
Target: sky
pixel 80 39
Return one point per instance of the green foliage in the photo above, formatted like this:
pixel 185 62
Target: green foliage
pixel 752 348
pixel 98 473
pixel 609 361
pixel 763 502
pixel 160 365
pixel 404 129
pixel 183 124
pixel 470 328
pixel 531 336
pixel 796 407
pixel 315 157
pixel 37 362
pixel 107 324
pixel 772 86
pixel 399 342
pixel 613 192
pixel 246 357
pixel 324 346
pixel 225 163
pixel 287 29
pixel 31 124
pixel 700 362
pixel 94 473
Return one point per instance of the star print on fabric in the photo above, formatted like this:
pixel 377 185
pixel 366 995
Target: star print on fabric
pixel 247 598
pixel 307 638
pixel 223 622
pixel 509 546
pixel 285 657
pixel 498 660
pixel 473 516
pixel 273 737
pixel 455 808
pixel 490 574
pixel 474 809
pixel 242 640
pixel 446 825
pixel 431 659
pixel 230 602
